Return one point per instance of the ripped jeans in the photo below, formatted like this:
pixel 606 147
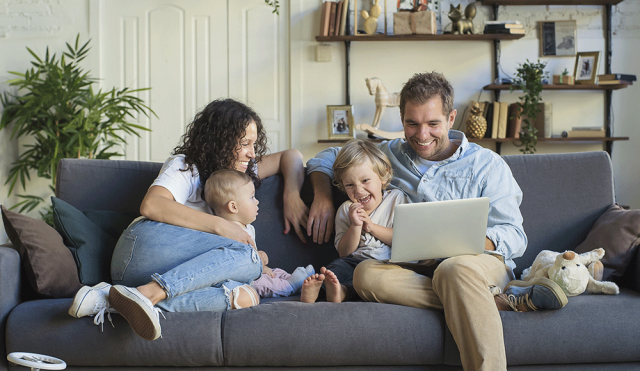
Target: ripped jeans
pixel 197 270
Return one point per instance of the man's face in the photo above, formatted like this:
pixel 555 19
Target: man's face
pixel 426 128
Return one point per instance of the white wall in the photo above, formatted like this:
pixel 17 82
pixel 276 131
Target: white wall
pixel 468 65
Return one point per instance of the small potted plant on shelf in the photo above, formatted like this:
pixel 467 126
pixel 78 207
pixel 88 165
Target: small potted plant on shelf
pixel 529 77
pixel 563 79
pixel 56 107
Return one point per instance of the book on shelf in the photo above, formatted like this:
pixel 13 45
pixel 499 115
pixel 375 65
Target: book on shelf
pixel 336 28
pixel 502 22
pixel 343 17
pixel 325 15
pixel 503 26
pixel 544 120
pixel 617 76
pixel 586 133
pixel 502 120
pixel 510 31
pixel 614 82
pixel 489 118
pixel 332 18
pixel 590 128
pixel 514 122
pixel 495 119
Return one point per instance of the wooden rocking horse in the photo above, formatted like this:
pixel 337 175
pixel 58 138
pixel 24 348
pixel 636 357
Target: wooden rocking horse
pixel 383 100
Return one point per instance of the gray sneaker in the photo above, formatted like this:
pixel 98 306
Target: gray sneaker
pixel 142 315
pixel 537 294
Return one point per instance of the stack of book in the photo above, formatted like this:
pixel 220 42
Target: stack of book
pixel 506 27
pixel 333 17
pixel 586 132
pixel 616 79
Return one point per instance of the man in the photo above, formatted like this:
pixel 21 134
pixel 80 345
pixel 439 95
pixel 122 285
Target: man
pixel 436 163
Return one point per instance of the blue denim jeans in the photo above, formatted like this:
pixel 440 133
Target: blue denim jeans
pixel 196 269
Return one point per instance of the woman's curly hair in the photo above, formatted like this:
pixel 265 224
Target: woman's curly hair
pixel 212 138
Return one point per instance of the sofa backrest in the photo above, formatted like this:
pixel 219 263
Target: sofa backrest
pixel 119 185
pixel 563 196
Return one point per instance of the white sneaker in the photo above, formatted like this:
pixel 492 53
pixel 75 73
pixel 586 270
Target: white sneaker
pixel 142 315
pixel 90 300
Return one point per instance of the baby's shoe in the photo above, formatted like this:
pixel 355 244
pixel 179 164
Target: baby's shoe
pixel 298 276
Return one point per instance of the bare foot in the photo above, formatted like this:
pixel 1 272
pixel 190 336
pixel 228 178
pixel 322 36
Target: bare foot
pixel 336 292
pixel 311 287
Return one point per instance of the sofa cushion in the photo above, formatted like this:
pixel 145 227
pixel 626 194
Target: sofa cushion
pixel 617 231
pixel 290 334
pixel 91 236
pixel 48 264
pixel 43 326
pixel 589 329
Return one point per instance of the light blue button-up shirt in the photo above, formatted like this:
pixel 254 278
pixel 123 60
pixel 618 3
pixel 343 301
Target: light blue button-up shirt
pixel 472 171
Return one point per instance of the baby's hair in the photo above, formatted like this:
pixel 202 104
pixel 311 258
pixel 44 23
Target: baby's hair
pixel 221 187
pixel 356 152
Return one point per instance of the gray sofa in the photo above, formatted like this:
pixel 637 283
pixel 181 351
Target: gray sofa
pixel 564 194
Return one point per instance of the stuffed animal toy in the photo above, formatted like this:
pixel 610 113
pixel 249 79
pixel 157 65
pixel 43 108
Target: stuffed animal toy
pixel 575 273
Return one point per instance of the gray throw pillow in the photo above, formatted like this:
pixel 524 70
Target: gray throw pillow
pixel 617 231
pixel 48 263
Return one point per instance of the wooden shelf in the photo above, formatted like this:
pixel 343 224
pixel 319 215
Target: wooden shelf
pixel 562 87
pixel 503 140
pixel 551 2
pixel 447 37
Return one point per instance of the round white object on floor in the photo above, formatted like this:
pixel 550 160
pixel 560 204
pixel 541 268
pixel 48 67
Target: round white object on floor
pixel 36 361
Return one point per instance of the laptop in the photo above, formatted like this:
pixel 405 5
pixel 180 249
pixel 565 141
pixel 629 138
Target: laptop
pixel 439 229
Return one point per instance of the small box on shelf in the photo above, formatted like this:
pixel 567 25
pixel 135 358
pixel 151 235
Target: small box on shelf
pixel 563 80
pixel 421 23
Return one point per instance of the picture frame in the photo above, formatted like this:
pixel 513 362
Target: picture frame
pixel 558 38
pixel 586 68
pixel 340 122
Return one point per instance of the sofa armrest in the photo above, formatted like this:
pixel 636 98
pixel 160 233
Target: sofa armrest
pixel 10 289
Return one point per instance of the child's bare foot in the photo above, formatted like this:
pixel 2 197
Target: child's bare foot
pixel 311 288
pixel 336 293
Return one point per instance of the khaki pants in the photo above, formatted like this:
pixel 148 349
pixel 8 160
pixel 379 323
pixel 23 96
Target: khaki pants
pixel 462 286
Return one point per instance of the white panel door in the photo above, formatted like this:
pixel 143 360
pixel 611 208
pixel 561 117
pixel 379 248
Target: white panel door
pixel 259 65
pixel 181 49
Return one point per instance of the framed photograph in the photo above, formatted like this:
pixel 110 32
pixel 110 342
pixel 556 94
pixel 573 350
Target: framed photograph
pixel 586 69
pixel 558 39
pixel 340 122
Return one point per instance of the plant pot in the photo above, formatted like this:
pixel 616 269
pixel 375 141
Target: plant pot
pixel 563 80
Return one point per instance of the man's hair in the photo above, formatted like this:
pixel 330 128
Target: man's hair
pixel 357 152
pixel 424 86
pixel 221 187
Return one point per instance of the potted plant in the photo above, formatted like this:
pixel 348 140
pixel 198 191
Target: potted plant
pixel 529 77
pixel 55 105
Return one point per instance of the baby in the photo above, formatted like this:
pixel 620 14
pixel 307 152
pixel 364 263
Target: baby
pixel 232 196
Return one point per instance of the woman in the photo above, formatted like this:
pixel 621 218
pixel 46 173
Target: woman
pixel 196 260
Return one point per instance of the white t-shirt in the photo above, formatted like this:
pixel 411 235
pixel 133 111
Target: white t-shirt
pixel 369 246
pixel 185 186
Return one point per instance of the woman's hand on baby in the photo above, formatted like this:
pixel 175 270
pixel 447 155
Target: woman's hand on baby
pixel 296 214
pixel 263 257
pixel 235 232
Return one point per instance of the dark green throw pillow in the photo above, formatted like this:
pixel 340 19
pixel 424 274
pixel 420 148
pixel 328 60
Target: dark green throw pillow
pixel 91 236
